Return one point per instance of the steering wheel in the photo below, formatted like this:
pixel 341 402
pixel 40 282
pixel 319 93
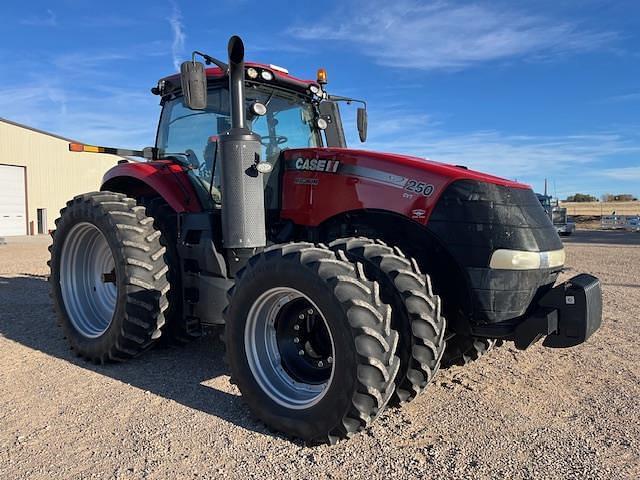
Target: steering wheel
pixel 273 140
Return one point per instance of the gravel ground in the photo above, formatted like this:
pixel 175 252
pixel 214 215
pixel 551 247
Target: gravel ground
pixel 541 413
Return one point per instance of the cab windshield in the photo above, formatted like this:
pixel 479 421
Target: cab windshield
pixel 545 200
pixel 288 123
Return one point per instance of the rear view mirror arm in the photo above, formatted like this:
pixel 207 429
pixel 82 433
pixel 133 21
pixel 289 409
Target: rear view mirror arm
pixel 362 114
pixel 208 59
pixel 348 100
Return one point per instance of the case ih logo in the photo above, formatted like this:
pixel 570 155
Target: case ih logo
pixel 317 165
pixel 418 213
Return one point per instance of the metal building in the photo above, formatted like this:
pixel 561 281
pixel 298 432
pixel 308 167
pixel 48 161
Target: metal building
pixel 38 174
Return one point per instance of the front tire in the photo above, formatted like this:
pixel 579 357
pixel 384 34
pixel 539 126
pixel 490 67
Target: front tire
pixel 309 343
pixel 108 276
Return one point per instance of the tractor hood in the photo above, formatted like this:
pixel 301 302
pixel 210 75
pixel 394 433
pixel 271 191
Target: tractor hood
pixel 348 179
pixel 470 214
pixel 400 171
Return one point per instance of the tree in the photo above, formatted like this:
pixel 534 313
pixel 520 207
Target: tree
pixel 621 197
pixel 581 197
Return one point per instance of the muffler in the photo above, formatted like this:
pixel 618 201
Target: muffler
pixel 243 216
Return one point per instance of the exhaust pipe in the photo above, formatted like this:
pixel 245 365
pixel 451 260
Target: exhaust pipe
pixel 243 216
pixel 236 82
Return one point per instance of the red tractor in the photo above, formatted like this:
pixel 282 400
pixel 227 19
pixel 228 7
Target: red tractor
pixel 332 269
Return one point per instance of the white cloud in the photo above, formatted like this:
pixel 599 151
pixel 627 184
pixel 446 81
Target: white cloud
pixel 629 97
pixel 575 162
pixel 623 173
pixel 105 116
pixel 88 60
pixel 110 21
pixel 438 35
pixel 177 27
pixel 511 156
pixel 49 20
pixel 86 94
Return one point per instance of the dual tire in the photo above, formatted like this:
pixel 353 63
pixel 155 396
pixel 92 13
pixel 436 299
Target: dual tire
pixel 381 336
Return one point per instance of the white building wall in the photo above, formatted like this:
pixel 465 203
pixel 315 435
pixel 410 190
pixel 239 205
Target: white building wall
pixel 54 174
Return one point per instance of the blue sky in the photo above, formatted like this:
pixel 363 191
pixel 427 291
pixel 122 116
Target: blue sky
pixel 519 89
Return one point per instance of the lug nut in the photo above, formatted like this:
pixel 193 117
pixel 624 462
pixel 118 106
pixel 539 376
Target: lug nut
pixel 310 312
pixel 296 340
pixel 296 327
pixel 320 364
pixel 300 352
pixel 301 316
pixel 329 359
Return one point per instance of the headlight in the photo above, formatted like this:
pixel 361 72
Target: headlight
pixel 266 75
pixel 258 109
pixel 321 123
pixel 521 260
pixel 252 73
pixel 315 89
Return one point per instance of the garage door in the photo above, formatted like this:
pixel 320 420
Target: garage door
pixel 13 212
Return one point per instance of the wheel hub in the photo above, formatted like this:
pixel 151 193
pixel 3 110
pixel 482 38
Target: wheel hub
pixel 303 343
pixel 88 280
pixel 289 348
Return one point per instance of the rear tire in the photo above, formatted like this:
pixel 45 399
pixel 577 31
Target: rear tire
pixel 315 404
pixel 108 276
pixel 416 311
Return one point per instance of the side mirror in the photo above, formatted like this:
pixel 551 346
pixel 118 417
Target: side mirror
pixel 194 85
pixel 362 124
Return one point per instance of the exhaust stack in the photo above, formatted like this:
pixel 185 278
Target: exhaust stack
pixel 243 216
pixel 236 83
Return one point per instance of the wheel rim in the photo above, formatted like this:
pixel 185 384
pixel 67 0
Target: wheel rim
pixel 88 280
pixel 289 348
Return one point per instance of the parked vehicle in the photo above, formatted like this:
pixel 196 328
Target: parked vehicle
pixel 633 224
pixel 558 215
pixel 331 269
pixel 613 222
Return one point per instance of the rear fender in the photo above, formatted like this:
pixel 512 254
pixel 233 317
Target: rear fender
pixel 162 178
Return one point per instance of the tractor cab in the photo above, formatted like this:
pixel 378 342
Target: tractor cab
pixel 285 112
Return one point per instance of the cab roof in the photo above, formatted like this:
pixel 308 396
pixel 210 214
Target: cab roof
pixel 170 85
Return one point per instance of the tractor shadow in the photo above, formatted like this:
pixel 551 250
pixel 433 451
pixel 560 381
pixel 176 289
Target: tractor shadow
pixel 175 373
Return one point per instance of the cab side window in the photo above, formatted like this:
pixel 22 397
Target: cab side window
pixel 195 132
